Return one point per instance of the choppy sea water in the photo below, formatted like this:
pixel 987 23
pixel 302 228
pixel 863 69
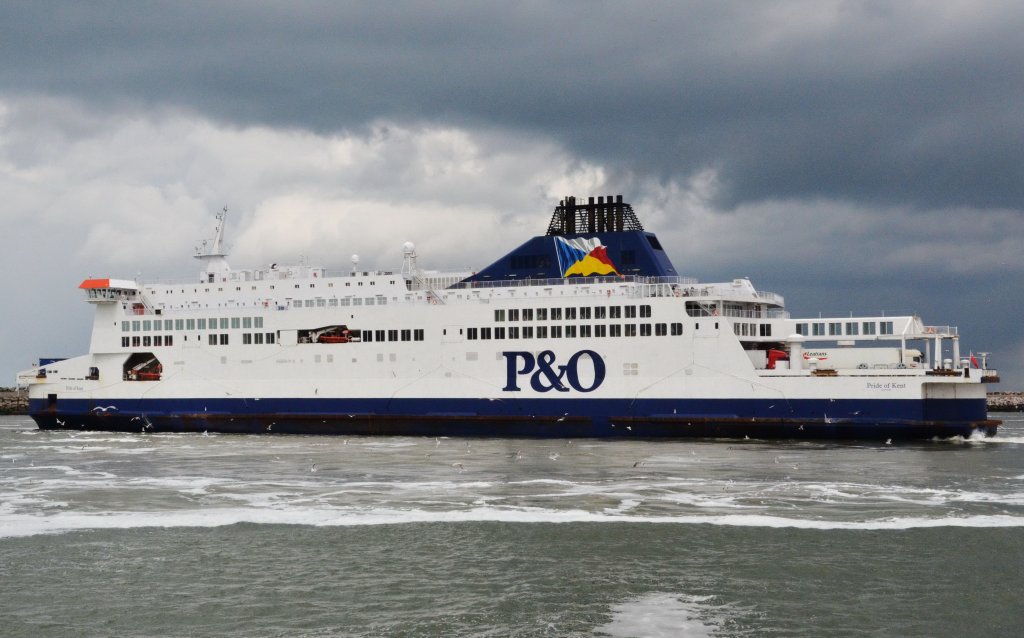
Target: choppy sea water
pixel 192 535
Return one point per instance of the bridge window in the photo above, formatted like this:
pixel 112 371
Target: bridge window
pixel 869 327
pixel 835 329
pixel 885 327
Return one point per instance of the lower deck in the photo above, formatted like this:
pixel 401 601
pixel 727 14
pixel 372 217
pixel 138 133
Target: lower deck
pixel 878 419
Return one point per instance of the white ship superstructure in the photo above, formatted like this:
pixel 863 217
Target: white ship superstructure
pixel 585 331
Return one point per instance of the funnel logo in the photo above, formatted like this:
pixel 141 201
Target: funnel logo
pixel 584 257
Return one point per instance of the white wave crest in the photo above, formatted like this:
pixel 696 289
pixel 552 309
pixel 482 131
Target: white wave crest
pixel 17 525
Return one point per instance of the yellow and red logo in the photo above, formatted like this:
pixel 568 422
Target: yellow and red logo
pixel 584 257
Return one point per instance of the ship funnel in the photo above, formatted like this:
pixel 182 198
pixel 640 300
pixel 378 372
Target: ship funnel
pixel 609 214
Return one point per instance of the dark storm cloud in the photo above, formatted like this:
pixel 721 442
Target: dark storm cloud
pixel 915 104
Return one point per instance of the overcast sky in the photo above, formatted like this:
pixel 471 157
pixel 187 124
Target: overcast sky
pixel 853 156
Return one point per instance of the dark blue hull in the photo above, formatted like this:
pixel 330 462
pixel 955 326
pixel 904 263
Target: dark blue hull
pixel 805 419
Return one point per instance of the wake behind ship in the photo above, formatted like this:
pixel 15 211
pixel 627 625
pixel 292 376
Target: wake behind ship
pixel 585 331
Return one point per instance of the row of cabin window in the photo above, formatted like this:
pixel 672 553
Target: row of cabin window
pixel 570 313
pixel 844 328
pixel 157 341
pixel 147 341
pixel 751 329
pixel 334 302
pixel 223 323
pixel 391 335
pixel 571 332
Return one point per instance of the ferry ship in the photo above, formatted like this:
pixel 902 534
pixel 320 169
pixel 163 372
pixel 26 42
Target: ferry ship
pixel 585 331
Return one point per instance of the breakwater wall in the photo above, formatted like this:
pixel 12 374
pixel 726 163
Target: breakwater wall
pixel 1006 401
pixel 13 401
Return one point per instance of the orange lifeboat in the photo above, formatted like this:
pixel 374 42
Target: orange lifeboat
pixel 332 339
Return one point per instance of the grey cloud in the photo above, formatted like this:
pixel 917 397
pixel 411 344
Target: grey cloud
pixel 910 103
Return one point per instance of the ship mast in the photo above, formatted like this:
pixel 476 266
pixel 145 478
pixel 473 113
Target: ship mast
pixel 212 253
